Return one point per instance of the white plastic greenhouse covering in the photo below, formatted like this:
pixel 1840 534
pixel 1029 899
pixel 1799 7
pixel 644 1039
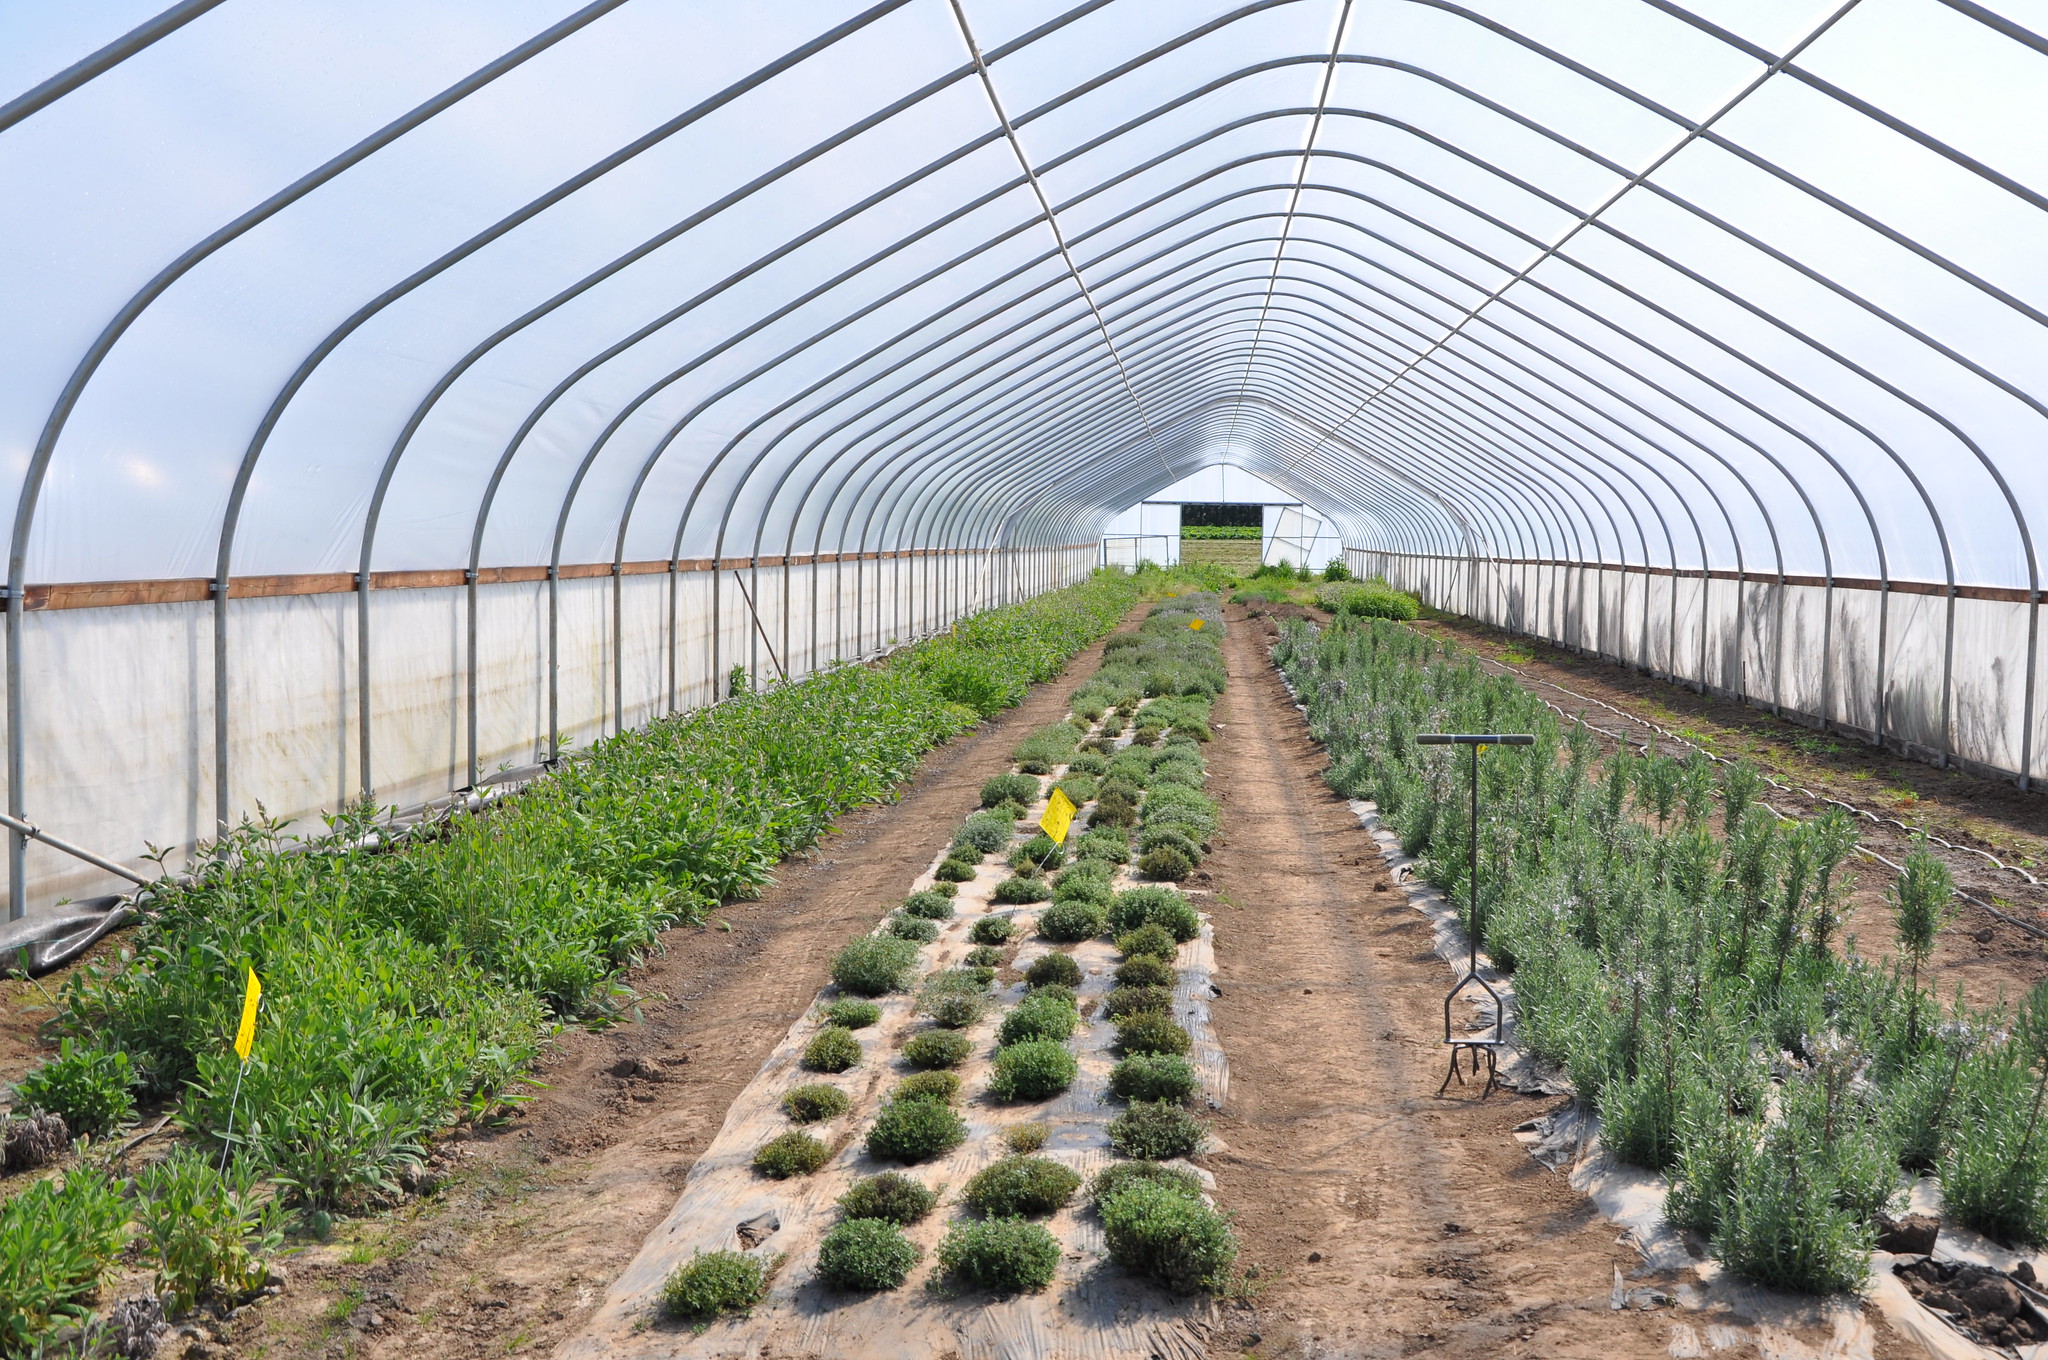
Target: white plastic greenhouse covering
pixel 394 392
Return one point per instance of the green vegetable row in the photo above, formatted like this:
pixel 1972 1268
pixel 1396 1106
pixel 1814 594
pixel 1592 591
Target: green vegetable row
pixel 408 988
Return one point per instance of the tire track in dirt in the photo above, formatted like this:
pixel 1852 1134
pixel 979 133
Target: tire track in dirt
pixel 537 1219
pixel 1383 1220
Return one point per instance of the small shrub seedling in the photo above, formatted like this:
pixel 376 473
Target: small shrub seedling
pixel 1023 1139
pixel 1039 1015
pixel 1153 1229
pixel 1125 1001
pixel 955 998
pixel 984 956
pixel 810 1104
pixel 875 964
pixel 932 906
pixel 1071 921
pixel 851 1013
pixel 1054 968
pixel 1016 892
pixel 939 1085
pixel 1155 1131
pixel 954 871
pixel 1151 1032
pixel 1153 1077
pixel 993 929
pixel 937 1049
pixel 1118 1175
pixel 1037 1069
pixel 1154 905
pixel 1020 1187
pixel 1148 939
pixel 915 1130
pixel 711 1283
pixel 866 1254
pixel 1167 864
pixel 1021 789
pixel 210 1231
pixel 792 1154
pixel 831 1049
pixel 1145 970
pixel 1003 1256
pixel 892 1196
pixel 915 929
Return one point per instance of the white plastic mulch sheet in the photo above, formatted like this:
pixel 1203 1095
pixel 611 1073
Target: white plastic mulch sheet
pixel 1092 1311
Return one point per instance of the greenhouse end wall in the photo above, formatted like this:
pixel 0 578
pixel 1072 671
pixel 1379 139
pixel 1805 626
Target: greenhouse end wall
pixel 119 699
pixel 1950 677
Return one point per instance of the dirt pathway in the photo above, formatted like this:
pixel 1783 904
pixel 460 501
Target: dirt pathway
pixel 1385 1220
pixel 536 1219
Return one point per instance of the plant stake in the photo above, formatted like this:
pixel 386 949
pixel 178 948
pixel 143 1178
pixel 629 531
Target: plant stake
pixel 1477 742
pixel 245 1039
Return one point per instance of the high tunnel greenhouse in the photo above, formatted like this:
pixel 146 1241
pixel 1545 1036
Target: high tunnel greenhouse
pixel 394 395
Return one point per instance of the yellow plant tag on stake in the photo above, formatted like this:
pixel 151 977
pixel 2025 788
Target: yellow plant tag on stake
pixel 1195 625
pixel 245 1036
pixel 1059 815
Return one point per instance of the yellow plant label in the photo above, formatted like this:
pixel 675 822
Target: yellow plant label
pixel 1059 815
pixel 245 1036
pixel 1195 625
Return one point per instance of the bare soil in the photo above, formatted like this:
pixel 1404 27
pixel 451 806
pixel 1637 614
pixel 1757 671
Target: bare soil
pixel 1990 958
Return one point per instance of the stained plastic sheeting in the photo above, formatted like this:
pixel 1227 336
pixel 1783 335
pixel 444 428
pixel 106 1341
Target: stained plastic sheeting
pixel 319 311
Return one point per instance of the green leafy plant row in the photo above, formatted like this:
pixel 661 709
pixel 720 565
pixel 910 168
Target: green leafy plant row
pixel 409 987
pixel 1675 950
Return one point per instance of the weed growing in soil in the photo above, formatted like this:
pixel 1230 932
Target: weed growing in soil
pixel 849 1013
pixel 1003 1256
pixel 915 1130
pixel 1153 1229
pixel 1154 1077
pixel 937 1049
pixel 1052 969
pixel 875 964
pixel 1020 1187
pixel 831 1049
pixel 892 1196
pixel 1035 1069
pixel 866 1254
pixel 810 1104
pixel 1154 1131
pixel 1071 921
pixel 711 1283
pixel 792 1154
